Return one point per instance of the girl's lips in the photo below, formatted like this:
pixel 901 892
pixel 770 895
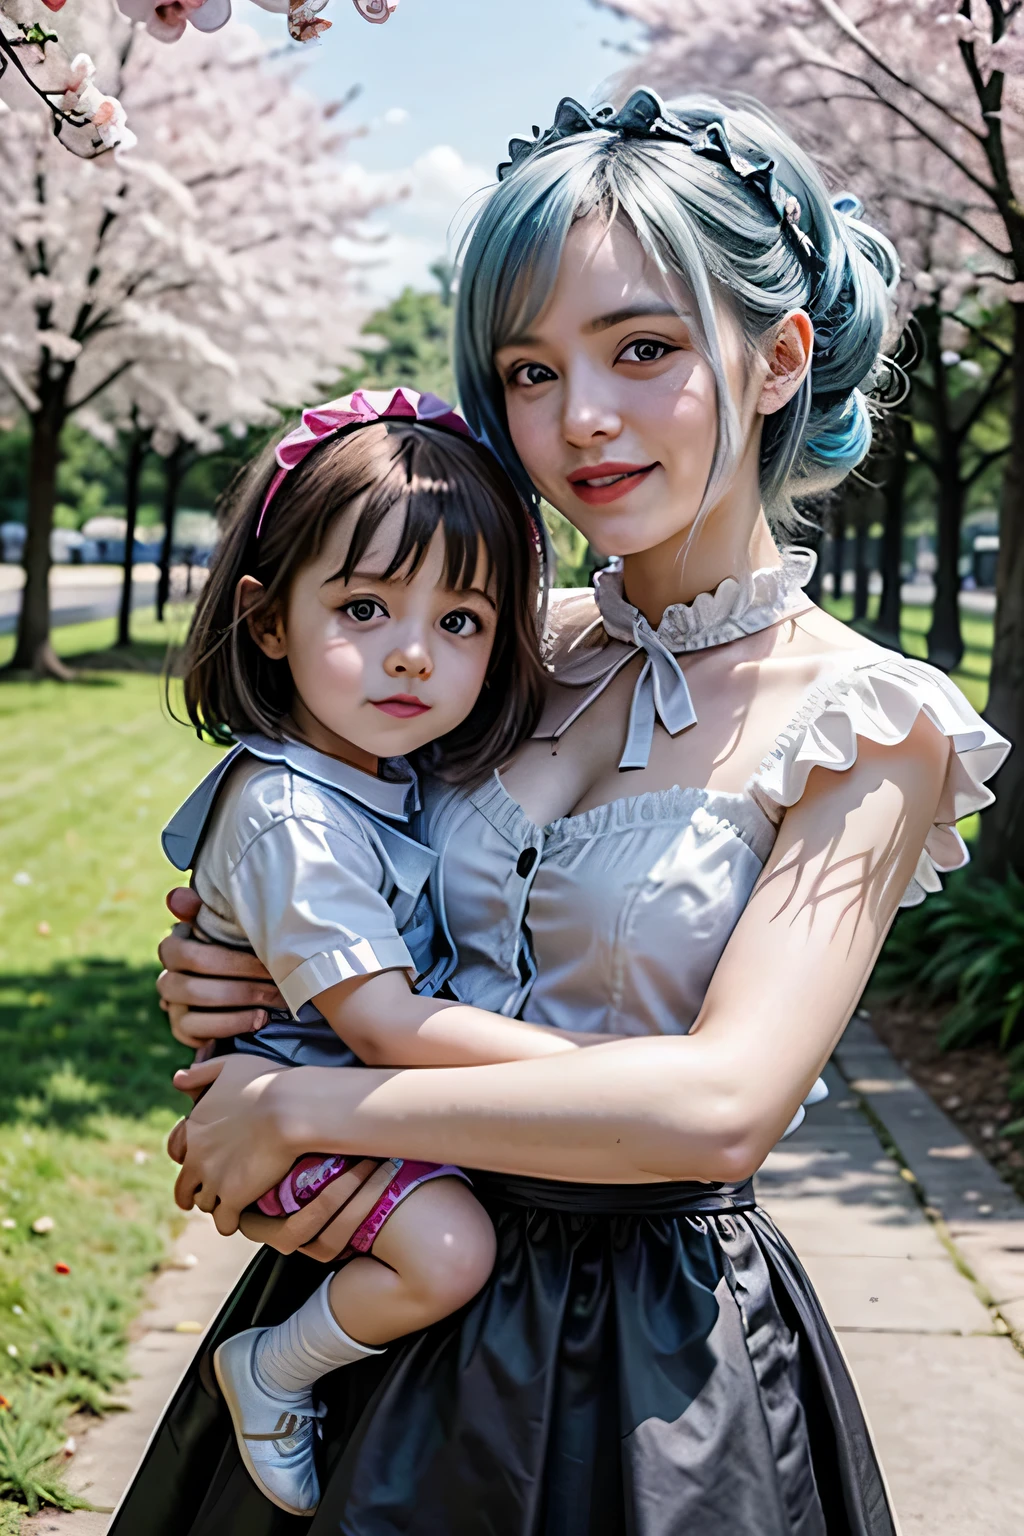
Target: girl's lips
pixel 607 482
pixel 402 705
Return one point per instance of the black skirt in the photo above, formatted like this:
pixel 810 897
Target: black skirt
pixel 647 1360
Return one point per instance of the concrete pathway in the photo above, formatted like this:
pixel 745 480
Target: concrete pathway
pixel 916 1249
pixel 183 1301
pixel 938 1369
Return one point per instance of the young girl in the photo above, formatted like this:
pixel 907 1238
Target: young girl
pixel 375 599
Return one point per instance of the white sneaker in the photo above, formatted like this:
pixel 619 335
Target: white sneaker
pixel 275 1435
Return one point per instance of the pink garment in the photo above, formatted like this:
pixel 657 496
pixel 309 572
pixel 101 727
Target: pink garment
pixel 311 1175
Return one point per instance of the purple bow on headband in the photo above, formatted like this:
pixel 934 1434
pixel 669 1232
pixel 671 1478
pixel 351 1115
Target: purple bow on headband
pixel 358 410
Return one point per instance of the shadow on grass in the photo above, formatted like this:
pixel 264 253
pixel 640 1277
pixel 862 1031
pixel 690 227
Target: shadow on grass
pixel 140 656
pixel 82 1039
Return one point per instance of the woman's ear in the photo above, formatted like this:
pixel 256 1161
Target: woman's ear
pixel 265 624
pixel 787 351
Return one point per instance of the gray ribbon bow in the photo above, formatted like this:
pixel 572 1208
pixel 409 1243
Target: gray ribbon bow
pixel 660 693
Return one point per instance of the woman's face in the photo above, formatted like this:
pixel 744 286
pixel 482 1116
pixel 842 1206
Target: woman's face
pixel 611 407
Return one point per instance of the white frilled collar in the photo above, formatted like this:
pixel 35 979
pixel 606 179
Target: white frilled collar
pixel 394 796
pixel 737 606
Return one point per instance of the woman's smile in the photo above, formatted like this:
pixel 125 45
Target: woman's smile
pixel 598 484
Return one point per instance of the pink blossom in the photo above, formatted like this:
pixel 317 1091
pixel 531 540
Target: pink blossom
pixel 304 23
pixel 83 98
pixel 166 19
pixel 377 11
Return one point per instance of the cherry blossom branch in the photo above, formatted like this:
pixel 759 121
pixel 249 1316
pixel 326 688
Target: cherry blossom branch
pixel 849 28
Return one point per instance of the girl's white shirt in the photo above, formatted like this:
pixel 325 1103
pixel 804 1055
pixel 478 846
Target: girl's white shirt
pixel 308 862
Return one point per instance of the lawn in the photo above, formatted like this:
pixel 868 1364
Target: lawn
pixel 89 772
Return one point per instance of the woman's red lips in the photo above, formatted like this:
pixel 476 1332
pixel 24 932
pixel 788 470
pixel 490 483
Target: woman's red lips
pixel 600 483
pixel 402 705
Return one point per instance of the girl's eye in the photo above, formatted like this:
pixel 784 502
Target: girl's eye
pixel 363 609
pixel 460 623
pixel 645 352
pixel 528 374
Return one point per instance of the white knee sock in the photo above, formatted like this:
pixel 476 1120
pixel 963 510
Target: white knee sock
pixel 289 1358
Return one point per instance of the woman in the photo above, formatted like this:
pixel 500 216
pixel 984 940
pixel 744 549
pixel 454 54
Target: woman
pixel 667 329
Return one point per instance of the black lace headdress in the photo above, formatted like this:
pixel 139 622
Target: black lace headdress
pixel 645 116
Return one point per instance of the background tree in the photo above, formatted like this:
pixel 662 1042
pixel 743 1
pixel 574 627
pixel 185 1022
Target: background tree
pixel 411 342
pixel 158 272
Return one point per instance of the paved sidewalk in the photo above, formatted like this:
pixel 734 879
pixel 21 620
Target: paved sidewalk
pixel 939 1375
pixel 936 1366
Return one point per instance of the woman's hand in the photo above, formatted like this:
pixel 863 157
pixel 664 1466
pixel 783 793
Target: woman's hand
pixel 208 991
pixel 323 1228
pixel 234 1148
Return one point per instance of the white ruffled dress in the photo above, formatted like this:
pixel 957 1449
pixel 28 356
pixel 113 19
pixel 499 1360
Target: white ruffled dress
pixel 614 920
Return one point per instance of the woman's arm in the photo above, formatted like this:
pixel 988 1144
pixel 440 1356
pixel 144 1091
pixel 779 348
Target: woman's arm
pixel 709 1105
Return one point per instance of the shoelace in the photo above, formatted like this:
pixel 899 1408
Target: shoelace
pixel 291 1423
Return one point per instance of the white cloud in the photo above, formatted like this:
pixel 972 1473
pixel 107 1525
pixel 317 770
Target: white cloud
pixel 394 117
pixel 442 180
pixel 443 188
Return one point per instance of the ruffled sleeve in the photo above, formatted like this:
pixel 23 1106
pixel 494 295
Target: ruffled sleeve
pixel 878 698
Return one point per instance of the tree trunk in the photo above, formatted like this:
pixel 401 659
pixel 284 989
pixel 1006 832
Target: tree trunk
pixel 137 450
pixel 174 469
pixel 945 641
pixel 33 650
pixel 838 547
pixel 887 624
pixel 861 524
pixel 1002 826
pixel 945 644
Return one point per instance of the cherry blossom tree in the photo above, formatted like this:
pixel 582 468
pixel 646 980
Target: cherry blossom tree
pixel 927 98
pixel 192 285
pixel 38 65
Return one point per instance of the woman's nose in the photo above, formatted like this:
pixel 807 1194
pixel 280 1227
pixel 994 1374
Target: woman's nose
pixel 587 412
pixel 411 660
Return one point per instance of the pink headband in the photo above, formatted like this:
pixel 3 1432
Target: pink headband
pixel 358 410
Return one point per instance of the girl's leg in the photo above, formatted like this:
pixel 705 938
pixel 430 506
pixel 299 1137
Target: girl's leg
pixel 432 1255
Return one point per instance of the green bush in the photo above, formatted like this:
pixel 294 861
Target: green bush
pixel 964 945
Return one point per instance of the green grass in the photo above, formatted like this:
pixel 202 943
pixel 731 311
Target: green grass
pixel 89 772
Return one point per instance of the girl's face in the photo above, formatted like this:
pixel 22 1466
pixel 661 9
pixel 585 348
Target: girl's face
pixel 380 667
pixel 611 407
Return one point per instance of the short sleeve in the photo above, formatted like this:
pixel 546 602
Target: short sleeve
pixel 309 895
pixel 879 699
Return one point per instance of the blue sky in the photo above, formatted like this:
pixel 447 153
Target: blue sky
pixel 445 84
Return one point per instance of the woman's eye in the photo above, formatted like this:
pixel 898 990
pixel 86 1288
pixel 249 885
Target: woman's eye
pixel 528 374
pixel 362 609
pixel 645 352
pixel 460 623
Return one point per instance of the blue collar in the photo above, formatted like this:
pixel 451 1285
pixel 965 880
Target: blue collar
pixel 396 797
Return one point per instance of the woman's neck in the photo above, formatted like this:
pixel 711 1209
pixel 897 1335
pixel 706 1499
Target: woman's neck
pixel 682 567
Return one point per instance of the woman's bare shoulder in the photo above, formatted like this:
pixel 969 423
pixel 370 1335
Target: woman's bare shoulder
pixel 815 633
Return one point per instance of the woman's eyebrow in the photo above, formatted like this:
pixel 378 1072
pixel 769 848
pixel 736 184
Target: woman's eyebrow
pixel 632 312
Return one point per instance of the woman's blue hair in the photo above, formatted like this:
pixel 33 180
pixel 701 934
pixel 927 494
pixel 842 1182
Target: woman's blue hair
pixel 706 226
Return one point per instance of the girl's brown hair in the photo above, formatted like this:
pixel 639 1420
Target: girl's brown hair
pixel 439 480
